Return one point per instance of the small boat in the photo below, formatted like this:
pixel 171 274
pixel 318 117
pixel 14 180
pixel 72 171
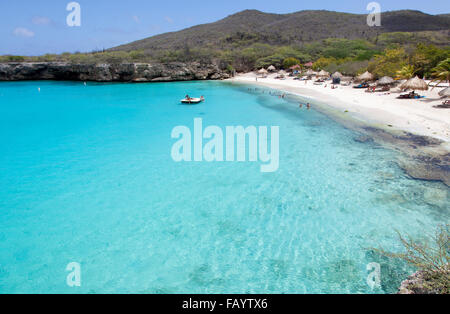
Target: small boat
pixel 192 100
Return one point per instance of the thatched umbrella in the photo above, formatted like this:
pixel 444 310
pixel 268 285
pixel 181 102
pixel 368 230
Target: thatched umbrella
pixel 323 73
pixel 271 68
pixel 281 74
pixel 310 72
pixel 415 84
pixel 445 92
pixel 386 80
pixel 365 77
pixel 337 75
pixel 263 72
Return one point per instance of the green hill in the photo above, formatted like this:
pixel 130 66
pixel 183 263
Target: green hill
pixel 248 27
pixel 252 39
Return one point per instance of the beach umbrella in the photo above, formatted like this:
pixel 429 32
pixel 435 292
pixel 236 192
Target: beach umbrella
pixel 385 80
pixel 415 84
pixel 262 71
pixel 281 72
pixel 445 92
pixel 310 72
pixel 365 77
pixel 323 73
pixel 337 75
pixel 272 68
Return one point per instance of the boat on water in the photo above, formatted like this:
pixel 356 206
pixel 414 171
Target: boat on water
pixel 189 100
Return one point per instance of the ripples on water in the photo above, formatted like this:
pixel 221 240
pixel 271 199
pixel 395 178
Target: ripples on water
pixel 86 176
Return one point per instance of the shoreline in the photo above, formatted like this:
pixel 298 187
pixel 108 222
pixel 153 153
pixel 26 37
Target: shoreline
pixel 425 147
pixel 408 115
pixel 425 156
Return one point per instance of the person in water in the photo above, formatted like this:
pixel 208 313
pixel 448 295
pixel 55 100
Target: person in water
pixel 308 106
pixel 202 98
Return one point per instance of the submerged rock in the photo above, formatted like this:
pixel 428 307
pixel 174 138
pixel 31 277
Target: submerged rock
pixel 124 72
pixel 363 139
pixel 430 168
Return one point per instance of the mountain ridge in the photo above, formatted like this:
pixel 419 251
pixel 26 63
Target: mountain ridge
pixel 294 28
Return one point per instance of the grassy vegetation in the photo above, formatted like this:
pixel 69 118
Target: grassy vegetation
pixel 432 259
pixel 350 57
pixel 347 56
pixel 251 39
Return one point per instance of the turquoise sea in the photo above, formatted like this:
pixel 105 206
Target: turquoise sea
pixel 86 176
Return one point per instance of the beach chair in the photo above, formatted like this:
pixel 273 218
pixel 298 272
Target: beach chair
pixel 362 85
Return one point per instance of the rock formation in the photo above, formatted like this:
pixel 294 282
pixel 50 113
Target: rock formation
pixel 126 72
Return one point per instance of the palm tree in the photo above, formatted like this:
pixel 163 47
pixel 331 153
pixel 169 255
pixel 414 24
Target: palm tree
pixel 441 73
pixel 406 72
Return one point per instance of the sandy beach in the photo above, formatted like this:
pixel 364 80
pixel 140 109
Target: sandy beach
pixel 381 110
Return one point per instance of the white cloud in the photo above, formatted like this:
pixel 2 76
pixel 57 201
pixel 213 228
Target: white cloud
pixel 168 19
pixel 41 20
pixel 136 19
pixel 23 32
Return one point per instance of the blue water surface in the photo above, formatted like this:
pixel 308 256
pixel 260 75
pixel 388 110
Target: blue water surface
pixel 86 176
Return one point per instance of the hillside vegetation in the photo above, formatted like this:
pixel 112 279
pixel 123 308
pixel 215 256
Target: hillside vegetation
pixel 252 39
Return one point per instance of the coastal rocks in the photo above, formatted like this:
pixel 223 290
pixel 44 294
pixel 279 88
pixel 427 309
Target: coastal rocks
pixel 125 72
pixel 430 168
pixel 425 283
pixel 424 158
pixel 363 139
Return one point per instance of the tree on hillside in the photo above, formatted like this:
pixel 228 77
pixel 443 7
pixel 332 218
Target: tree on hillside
pixel 427 57
pixel 441 73
pixel 405 73
pixel 388 63
pixel 289 62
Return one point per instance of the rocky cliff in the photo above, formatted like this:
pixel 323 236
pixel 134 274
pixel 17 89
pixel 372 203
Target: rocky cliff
pixel 130 72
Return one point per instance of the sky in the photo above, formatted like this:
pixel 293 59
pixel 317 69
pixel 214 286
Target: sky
pixel 30 27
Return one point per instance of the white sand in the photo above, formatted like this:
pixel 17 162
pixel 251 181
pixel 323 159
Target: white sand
pixel 415 116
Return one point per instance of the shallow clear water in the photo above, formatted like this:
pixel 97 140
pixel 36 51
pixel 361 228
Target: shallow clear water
pixel 86 176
